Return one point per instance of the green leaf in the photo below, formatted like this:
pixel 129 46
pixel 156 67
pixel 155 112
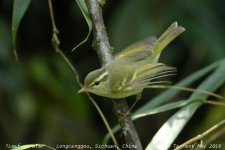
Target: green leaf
pixel 163 108
pixel 83 7
pixel 19 9
pixel 23 147
pixel 32 146
pixel 172 128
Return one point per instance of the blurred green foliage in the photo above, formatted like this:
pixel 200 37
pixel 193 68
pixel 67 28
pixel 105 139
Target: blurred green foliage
pixel 38 99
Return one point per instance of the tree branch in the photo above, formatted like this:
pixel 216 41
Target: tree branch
pixel 102 46
pixel 101 42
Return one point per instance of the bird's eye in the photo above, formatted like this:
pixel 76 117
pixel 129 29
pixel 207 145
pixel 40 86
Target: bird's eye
pixel 96 82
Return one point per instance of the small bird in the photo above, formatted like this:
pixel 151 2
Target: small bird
pixel 132 69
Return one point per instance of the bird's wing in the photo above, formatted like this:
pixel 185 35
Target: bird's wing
pixel 139 76
pixel 146 74
pixel 150 49
pixel 137 51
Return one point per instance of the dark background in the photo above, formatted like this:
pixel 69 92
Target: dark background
pixel 38 96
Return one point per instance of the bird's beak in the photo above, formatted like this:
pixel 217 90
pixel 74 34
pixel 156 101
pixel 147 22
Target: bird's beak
pixel 83 89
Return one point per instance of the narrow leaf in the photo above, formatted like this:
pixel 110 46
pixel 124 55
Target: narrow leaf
pixel 19 9
pixel 24 147
pixel 163 108
pixel 83 7
pixel 171 128
pixel 33 146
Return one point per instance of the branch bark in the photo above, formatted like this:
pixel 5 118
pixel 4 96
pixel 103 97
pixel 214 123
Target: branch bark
pixel 102 46
pixel 101 42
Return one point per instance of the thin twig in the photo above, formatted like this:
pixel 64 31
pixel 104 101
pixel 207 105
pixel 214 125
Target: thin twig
pixel 55 43
pixel 201 136
pixel 186 89
pixel 214 103
pixel 215 136
pixel 102 46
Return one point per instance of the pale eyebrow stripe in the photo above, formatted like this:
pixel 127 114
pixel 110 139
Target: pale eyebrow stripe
pixel 102 75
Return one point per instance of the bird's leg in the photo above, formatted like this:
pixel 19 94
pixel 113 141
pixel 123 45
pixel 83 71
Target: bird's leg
pixel 138 97
pixel 124 115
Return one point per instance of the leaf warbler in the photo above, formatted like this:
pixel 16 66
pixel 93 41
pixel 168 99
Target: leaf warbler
pixel 132 69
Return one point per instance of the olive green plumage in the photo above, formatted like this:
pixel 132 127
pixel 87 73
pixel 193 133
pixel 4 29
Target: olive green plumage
pixel 132 69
